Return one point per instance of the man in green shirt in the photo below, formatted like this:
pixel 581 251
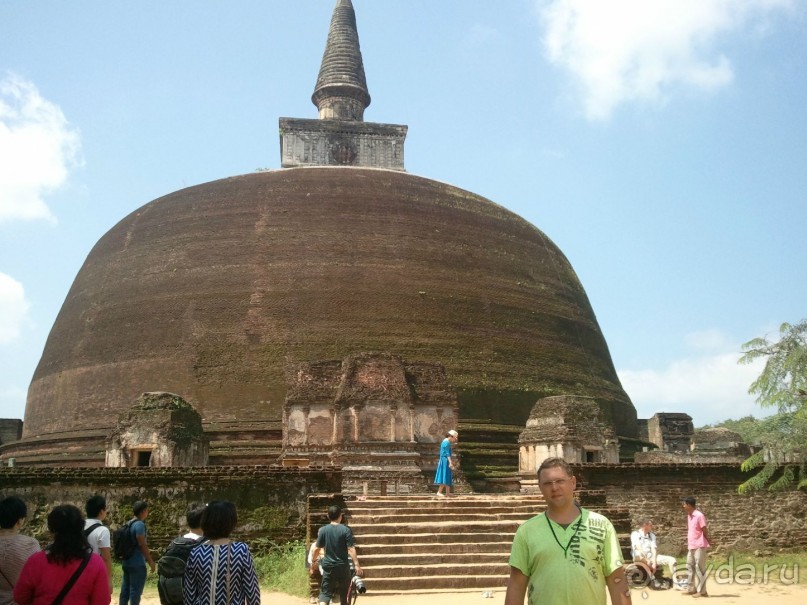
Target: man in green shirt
pixel 337 541
pixel 566 555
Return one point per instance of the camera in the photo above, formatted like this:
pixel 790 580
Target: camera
pixel 358 584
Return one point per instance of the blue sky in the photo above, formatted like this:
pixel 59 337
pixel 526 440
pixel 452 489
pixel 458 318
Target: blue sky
pixel 662 144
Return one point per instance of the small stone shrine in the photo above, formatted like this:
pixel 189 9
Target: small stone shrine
pixel 719 444
pixel 568 427
pixel 671 432
pixel 160 429
pixel 370 412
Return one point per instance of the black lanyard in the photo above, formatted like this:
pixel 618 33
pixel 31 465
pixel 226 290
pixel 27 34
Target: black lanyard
pixel 554 535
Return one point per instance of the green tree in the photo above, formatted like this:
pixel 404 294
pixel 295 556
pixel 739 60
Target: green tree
pixel 781 385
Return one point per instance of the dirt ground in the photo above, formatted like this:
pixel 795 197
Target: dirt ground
pixel 755 594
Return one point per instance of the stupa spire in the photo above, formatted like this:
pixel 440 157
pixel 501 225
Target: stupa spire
pixel 341 90
pixel 341 137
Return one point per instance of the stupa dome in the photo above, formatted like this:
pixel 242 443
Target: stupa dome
pixel 210 291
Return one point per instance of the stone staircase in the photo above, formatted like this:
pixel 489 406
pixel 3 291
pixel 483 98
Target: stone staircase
pixel 422 543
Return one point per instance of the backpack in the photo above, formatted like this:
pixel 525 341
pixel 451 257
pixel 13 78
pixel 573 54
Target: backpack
pixel 124 544
pixel 171 568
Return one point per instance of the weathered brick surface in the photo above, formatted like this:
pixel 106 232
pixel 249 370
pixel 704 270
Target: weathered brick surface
pixel 760 521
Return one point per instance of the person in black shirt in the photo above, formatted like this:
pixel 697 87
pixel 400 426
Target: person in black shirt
pixel 340 548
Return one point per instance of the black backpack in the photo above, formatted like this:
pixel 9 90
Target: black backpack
pixel 171 568
pixel 124 544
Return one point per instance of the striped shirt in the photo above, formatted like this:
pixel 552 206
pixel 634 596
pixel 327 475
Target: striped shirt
pixel 208 569
pixel 14 552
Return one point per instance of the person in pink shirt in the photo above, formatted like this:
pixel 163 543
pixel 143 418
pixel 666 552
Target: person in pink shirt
pixel 697 547
pixel 47 573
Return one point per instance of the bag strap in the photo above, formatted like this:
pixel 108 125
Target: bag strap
pixel 91 529
pixel 60 597
pixel 5 577
pixel 133 535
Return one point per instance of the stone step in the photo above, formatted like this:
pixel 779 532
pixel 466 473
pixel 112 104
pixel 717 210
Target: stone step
pixel 442 517
pixel 428 584
pixel 437 570
pixel 432 548
pixel 414 497
pixel 425 559
pixel 495 590
pixel 364 539
pixel 491 526
pixel 530 507
pixel 451 504
pixel 426 502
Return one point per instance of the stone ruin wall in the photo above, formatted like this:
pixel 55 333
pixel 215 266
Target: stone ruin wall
pixel 10 430
pixel 271 500
pixel 695 457
pixel 671 432
pixel 720 441
pixel 764 521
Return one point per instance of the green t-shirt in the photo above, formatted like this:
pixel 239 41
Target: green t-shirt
pixel 578 576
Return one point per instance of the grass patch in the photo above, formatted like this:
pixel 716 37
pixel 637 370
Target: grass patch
pixel 282 569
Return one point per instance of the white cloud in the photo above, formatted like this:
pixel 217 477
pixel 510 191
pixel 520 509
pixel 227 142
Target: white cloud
pixel 13 308
pixel 38 147
pixel 707 340
pixel 640 50
pixel 709 387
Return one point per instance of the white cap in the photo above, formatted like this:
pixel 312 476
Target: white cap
pixel 453 433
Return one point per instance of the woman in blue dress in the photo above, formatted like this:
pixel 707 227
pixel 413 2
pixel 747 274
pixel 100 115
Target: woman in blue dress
pixel 443 477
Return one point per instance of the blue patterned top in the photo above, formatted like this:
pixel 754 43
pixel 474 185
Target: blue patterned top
pixel 198 577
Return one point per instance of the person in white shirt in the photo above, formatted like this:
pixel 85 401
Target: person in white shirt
pixel 643 548
pixel 97 533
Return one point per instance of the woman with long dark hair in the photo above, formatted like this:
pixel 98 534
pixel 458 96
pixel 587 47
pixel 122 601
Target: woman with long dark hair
pixel 66 572
pixel 220 571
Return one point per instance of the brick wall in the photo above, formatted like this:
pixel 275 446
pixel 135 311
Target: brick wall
pixel 765 520
pixel 271 500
